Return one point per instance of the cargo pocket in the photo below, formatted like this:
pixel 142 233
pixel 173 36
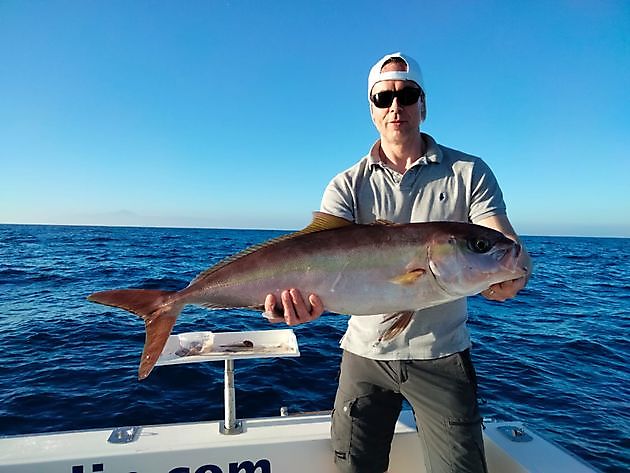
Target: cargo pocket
pixel 467 452
pixel 341 434
pixel 362 431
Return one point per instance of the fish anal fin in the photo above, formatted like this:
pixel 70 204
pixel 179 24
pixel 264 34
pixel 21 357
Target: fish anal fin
pixel 211 306
pixel 401 322
pixel 409 277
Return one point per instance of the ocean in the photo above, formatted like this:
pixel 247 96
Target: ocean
pixel 556 357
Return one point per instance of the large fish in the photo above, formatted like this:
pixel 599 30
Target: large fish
pixel 355 269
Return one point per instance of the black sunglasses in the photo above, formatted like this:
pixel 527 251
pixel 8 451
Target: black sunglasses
pixel 406 96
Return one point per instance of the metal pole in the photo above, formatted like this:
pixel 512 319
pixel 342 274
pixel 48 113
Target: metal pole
pixel 230 425
pixel 229 396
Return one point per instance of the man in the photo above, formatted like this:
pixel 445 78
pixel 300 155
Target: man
pixel 408 177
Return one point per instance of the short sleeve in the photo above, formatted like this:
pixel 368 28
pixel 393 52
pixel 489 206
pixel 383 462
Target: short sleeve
pixel 486 198
pixel 338 199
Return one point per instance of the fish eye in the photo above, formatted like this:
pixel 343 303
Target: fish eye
pixel 479 245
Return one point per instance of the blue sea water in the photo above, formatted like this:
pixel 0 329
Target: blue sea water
pixel 555 357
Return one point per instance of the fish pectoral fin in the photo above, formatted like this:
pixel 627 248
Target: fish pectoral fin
pixel 401 322
pixel 409 277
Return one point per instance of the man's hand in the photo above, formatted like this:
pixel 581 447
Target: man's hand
pixel 295 310
pixel 507 289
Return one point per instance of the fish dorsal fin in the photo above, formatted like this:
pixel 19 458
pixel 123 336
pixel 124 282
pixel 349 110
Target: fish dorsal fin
pixel 321 221
pixel 381 221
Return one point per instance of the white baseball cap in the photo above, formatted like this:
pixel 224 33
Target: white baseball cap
pixel 412 73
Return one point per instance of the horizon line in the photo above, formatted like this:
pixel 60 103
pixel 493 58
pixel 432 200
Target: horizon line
pixel 187 227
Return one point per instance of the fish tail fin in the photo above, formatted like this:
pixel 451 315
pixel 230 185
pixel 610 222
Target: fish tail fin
pixel 402 320
pixel 159 311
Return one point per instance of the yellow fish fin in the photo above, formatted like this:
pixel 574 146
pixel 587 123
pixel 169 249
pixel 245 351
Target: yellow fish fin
pixel 323 221
pixel 409 277
pixel 381 221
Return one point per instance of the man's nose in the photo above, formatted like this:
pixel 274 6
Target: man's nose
pixel 395 105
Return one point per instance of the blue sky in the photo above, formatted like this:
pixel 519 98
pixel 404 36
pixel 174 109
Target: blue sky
pixel 238 113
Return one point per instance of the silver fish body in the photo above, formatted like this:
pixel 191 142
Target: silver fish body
pixel 354 269
pixel 364 270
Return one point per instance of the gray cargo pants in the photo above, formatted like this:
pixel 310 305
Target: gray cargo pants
pixel 443 395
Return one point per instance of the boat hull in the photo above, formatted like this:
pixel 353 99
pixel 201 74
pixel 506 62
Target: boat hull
pixel 267 445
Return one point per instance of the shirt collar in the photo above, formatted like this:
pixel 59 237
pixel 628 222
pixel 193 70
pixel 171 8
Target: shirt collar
pixel 433 153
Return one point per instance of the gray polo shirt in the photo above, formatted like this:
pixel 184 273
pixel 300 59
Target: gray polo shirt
pixel 443 184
